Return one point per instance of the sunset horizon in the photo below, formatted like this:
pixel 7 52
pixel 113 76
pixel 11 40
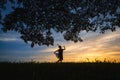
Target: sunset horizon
pixel 95 47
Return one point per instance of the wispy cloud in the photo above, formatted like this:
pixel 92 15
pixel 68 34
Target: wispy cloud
pixel 10 36
pixel 95 45
pixel 9 39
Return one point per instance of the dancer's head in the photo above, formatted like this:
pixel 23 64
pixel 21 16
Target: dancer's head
pixel 59 47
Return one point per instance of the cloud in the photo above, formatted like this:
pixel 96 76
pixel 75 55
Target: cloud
pixel 9 39
pixel 95 45
pixel 10 36
pixel 116 54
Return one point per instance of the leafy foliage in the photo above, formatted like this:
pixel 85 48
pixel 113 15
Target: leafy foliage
pixel 34 19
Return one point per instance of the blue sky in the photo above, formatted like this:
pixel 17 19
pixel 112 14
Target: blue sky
pixel 95 45
pixel 13 48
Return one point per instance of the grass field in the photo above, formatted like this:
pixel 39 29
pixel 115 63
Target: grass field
pixel 59 71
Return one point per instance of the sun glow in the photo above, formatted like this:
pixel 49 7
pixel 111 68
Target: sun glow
pixel 98 48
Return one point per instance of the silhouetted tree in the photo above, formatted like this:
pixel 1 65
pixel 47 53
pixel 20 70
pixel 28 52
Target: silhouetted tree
pixel 34 19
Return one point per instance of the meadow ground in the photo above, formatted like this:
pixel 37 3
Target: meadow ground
pixel 59 71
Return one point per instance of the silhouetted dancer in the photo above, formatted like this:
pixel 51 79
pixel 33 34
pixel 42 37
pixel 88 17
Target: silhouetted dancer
pixel 59 53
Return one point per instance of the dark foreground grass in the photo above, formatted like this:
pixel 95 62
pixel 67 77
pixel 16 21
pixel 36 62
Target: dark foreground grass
pixel 59 71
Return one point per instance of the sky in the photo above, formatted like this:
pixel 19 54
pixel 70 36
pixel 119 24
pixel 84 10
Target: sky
pixel 95 46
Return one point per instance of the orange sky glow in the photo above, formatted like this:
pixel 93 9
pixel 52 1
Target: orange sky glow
pixel 95 47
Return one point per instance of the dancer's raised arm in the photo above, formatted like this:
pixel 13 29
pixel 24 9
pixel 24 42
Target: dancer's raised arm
pixel 63 47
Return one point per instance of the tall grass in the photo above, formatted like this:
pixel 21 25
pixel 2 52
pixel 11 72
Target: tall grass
pixel 59 71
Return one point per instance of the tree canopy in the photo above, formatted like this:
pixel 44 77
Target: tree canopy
pixel 34 19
